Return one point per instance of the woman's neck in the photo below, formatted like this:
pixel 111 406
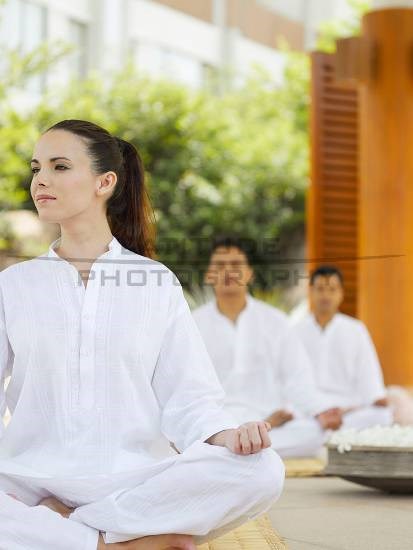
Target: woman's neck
pixel 85 243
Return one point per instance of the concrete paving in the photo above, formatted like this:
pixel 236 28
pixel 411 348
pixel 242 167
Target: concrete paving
pixel 329 513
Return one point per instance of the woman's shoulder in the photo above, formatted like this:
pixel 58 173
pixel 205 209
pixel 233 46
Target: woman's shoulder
pixel 25 269
pixel 154 270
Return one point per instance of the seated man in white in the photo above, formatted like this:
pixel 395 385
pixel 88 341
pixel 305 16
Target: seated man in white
pixel 345 363
pixel 259 360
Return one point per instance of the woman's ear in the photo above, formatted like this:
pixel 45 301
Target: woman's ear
pixel 106 183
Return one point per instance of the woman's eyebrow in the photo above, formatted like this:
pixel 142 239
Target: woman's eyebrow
pixel 52 159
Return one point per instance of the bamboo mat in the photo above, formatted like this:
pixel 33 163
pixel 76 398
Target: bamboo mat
pixel 304 467
pixel 256 534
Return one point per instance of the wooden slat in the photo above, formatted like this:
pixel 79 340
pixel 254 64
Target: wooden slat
pixel 332 205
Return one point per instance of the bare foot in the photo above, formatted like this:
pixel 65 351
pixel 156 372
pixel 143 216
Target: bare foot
pixel 54 504
pixel 155 542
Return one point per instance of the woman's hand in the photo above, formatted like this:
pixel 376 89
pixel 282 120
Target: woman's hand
pixel 249 438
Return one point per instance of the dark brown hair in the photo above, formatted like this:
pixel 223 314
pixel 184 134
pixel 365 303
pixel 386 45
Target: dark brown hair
pixel 232 241
pixel 326 271
pixel 129 211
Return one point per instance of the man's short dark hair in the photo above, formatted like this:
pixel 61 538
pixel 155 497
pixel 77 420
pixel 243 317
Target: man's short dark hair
pixel 232 241
pixel 326 271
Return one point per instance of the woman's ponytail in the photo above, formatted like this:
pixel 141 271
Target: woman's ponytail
pixel 129 210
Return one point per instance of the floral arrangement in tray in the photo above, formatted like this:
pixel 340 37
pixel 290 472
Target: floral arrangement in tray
pixel 380 436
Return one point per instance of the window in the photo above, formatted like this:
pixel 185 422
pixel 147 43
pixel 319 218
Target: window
pixel 183 68
pixel 164 62
pixel 78 36
pixel 23 28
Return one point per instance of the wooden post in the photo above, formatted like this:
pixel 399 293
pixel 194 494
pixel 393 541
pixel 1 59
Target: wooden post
pixel 380 64
pixel 385 297
pixel 386 199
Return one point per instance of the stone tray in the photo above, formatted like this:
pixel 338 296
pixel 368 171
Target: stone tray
pixel 389 469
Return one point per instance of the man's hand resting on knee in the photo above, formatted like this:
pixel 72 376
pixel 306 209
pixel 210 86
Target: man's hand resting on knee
pixel 249 438
pixel 331 419
pixel 278 418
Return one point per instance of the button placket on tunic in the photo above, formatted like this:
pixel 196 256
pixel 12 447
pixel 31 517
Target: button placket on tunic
pixel 237 371
pixel 320 342
pixel 83 310
pixel 85 305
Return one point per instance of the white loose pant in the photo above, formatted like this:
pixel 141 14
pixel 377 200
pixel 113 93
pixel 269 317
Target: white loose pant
pixel 206 491
pixel 300 437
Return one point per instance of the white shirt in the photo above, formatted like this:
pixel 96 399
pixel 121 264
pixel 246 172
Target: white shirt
pixel 100 375
pixel 344 359
pixel 260 362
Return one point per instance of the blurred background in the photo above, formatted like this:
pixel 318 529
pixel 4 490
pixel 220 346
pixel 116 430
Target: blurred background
pixel 214 93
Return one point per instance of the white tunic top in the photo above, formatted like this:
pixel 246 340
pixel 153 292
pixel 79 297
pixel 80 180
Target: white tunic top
pixel 344 359
pixel 101 377
pixel 259 360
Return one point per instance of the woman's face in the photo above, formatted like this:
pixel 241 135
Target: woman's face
pixel 62 168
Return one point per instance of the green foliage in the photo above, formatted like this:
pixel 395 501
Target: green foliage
pixel 342 28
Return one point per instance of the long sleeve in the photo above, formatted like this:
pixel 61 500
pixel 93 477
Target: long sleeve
pixel 185 383
pixel 298 379
pixel 6 360
pixel 370 385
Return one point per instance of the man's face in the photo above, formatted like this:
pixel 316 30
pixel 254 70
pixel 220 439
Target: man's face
pixel 229 271
pixel 326 294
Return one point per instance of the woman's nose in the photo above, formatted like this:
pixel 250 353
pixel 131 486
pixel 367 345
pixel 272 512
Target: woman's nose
pixel 41 178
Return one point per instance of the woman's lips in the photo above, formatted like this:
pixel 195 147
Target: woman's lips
pixel 45 199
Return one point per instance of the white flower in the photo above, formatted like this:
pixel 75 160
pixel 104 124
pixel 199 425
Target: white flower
pixel 378 436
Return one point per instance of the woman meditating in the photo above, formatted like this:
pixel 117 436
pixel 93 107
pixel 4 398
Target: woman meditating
pixel 107 371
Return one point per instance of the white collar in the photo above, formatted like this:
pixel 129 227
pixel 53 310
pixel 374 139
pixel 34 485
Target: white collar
pixel 114 248
pixel 328 326
pixel 248 306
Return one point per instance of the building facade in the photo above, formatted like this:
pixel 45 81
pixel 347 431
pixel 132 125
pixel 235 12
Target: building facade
pixel 184 40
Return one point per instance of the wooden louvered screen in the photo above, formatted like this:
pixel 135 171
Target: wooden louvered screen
pixel 332 204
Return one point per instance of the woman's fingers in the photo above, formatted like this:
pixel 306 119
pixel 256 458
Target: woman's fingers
pixel 254 437
pixel 265 438
pixel 244 439
pixel 234 441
